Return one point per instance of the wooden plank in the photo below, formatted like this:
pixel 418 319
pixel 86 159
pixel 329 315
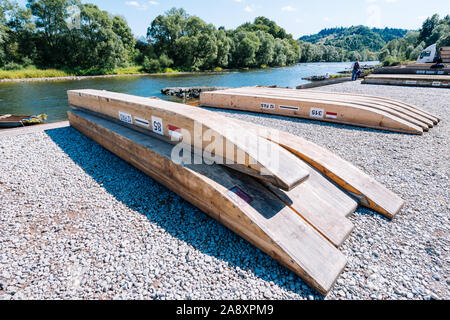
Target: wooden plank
pixel 402 104
pixel 235 200
pixel 410 77
pixel 245 151
pixel 393 109
pixel 315 109
pixel 408 83
pixel 410 70
pixel 367 190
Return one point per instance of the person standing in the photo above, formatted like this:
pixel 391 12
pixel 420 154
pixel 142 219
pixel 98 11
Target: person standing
pixel 356 70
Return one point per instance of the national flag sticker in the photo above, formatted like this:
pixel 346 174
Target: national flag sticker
pixel 175 132
pixel 331 115
pixel 239 196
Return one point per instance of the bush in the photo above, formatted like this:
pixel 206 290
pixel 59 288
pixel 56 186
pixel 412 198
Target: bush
pixel 169 70
pixel 165 61
pixel 151 65
pixel 12 66
pixel 390 61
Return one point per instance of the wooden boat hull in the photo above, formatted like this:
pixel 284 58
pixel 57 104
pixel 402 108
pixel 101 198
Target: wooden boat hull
pixel 309 108
pixel 324 213
pixel 234 199
pixel 412 116
pixel 178 121
pixel 367 190
pixel 411 81
pixel 11 121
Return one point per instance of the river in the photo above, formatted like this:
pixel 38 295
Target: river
pixel 50 97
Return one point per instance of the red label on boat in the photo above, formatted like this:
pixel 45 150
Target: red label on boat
pixel 174 129
pixel 332 115
pixel 175 132
pixel 239 196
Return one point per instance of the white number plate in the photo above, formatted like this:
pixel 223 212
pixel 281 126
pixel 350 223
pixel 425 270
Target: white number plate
pixel 125 117
pixel 157 126
pixel 267 106
pixel 316 113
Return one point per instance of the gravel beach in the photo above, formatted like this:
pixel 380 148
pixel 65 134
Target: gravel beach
pixel 77 222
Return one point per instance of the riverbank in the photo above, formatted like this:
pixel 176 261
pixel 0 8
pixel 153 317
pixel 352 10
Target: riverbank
pixel 76 78
pixel 79 223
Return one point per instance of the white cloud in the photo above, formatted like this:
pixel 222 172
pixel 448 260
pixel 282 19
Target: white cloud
pixel 288 8
pixel 132 3
pixel 249 9
pixel 239 1
pixel 137 5
pixel 154 3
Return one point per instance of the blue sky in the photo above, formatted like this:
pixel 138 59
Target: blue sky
pixel 298 17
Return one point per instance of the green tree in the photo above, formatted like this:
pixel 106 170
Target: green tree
pixel 246 45
pixel 50 19
pixel 124 33
pixel 265 54
pixel 166 29
pixel 427 28
pixel 224 48
pixel 99 47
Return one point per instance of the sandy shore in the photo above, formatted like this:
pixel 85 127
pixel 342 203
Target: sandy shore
pixel 78 222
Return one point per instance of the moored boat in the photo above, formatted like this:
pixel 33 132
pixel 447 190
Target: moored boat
pixel 14 121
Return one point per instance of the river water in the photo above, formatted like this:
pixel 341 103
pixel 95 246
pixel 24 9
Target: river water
pixel 50 97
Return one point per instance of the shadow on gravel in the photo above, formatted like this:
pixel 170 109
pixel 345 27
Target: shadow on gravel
pixel 172 213
pixel 306 121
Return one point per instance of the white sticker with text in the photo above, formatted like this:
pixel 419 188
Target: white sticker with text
pixel 125 117
pixel 157 126
pixel 316 113
pixel 267 106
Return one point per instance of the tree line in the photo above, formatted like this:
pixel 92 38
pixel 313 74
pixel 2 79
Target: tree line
pixel 433 30
pixel 70 35
pixel 179 39
pixel 81 38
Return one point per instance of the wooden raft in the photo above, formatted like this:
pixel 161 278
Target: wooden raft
pixel 238 201
pixel 331 107
pixel 175 121
pixel 412 115
pixel 444 53
pixel 367 190
pixel 436 81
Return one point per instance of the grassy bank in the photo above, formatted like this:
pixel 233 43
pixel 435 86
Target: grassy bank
pixel 33 73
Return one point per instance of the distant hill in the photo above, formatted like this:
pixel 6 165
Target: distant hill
pixel 356 38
